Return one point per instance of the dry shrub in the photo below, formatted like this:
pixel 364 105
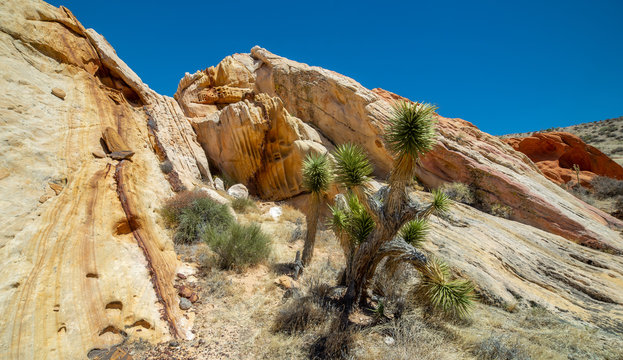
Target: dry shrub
pixel 166 167
pixel 459 192
pixel 335 344
pixel 291 214
pixel 606 187
pixel 498 348
pixel 243 205
pixel 500 210
pixel 298 316
pixel 173 207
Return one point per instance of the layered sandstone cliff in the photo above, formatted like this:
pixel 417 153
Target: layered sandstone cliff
pixel 85 262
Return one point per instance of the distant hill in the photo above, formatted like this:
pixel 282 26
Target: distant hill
pixel 606 135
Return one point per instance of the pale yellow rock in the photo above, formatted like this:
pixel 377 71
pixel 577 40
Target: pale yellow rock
pixel 83 265
pixel 259 144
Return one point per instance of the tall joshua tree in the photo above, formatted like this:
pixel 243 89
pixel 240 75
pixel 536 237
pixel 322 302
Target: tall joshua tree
pixel 316 179
pixel 388 223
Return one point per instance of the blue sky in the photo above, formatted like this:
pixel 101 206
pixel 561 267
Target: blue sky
pixel 504 66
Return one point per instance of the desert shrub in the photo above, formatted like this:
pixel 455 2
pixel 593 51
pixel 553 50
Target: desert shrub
pixel 459 192
pixel 606 187
pixel 500 210
pixel 618 203
pixel 242 205
pixel 581 193
pixel 605 130
pixel 495 348
pixel 587 138
pixel 166 166
pixel 618 149
pixel 239 246
pixel 173 207
pixel 203 215
pixel 298 316
pixel 335 344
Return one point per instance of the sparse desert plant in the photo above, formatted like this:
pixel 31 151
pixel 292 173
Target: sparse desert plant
pixel 299 315
pixel 497 348
pixel 173 207
pixel 239 246
pixel 243 205
pixel 166 166
pixel 385 225
pixel 441 293
pixel 501 210
pixel 606 187
pixel 203 215
pixel 617 150
pixel 459 192
pixel 316 179
pixel 288 213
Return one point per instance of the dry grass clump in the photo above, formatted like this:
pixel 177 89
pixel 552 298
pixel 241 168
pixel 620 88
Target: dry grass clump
pixel 243 205
pixel 298 316
pixel 500 210
pixel 459 192
pixel 290 214
pixel 499 348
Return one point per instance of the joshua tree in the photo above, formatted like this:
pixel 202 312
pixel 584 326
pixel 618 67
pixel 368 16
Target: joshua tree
pixel 387 223
pixel 316 179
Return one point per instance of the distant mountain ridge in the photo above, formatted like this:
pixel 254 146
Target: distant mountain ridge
pixel 606 135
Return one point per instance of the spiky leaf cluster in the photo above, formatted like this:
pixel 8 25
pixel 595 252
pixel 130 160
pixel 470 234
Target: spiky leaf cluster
pixel 414 232
pixel 352 167
pixel 411 131
pixel 352 219
pixel 451 296
pixel 441 202
pixel 316 173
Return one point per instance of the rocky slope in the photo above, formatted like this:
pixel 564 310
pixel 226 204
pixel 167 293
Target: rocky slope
pixel 606 135
pixel 86 260
pixel 555 153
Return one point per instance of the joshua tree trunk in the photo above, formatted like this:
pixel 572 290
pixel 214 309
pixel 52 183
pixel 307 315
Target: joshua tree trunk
pixel 312 224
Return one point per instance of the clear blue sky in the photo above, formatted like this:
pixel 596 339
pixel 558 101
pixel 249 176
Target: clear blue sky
pixel 505 66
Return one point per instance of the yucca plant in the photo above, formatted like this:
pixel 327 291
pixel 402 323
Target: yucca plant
pixel 453 297
pixel 317 178
pixel 352 168
pixel 414 232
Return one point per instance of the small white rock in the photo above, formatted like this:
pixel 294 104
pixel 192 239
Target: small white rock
pixel 275 212
pixel 185 304
pixel 389 340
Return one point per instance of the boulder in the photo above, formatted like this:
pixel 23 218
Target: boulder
pixel 238 191
pixel 556 153
pixel 219 185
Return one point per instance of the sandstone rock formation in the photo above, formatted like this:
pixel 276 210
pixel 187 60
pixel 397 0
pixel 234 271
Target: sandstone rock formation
pixel 344 111
pixel 556 153
pixel 85 262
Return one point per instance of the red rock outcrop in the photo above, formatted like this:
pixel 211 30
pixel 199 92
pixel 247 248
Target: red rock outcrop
pixel 555 153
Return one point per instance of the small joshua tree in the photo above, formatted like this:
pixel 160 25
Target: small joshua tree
pixel 387 223
pixel 316 179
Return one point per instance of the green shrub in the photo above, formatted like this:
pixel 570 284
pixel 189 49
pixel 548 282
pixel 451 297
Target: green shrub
pixel 606 187
pixel 201 216
pixel 239 246
pixel 173 207
pixel 459 192
pixel 243 205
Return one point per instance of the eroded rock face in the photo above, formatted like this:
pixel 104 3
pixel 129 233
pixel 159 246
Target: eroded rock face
pixel 556 153
pixel 257 143
pixel 84 259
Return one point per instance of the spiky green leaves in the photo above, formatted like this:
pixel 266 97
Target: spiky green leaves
pixel 453 297
pixel 411 131
pixel 351 219
pixel 441 202
pixel 316 173
pixel 352 168
pixel 414 232
pixel 360 222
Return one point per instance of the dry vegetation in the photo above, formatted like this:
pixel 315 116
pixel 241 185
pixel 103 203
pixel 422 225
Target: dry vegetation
pixel 246 315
